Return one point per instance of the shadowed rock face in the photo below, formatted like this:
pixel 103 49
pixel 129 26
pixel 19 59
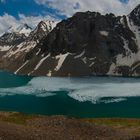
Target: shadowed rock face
pixel 94 44
pixel 135 15
pixel 86 44
pixel 90 31
pixel 17 42
pixel 11 39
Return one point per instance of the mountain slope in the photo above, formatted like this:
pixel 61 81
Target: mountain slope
pixel 87 44
pixel 22 29
pixel 13 56
pixel 14 36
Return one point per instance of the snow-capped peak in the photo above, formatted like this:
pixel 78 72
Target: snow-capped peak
pixel 50 24
pixel 42 25
pixel 25 29
pixel 45 26
pixel 22 29
pixel 136 11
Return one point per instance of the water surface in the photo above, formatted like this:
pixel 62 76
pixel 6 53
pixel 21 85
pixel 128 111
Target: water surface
pixel 78 97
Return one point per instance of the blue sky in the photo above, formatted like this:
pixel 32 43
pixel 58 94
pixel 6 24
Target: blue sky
pixel 32 8
pixel 15 12
pixel 125 1
pixel 26 7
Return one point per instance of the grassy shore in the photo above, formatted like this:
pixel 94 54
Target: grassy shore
pixel 14 125
pixel 20 118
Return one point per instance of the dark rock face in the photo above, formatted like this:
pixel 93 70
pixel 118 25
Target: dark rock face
pixel 14 46
pixel 135 15
pixel 11 39
pixel 95 44
pixel 86 44
pixel 41 30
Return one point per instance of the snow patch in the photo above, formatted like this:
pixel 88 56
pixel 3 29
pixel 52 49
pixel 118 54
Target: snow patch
pixel 39 50
pixel 112 69
pixel 22 29
pixel 135 29
pixel 4 48
pixel 41 62
pixel 46 26
pixel 84 60
pixel 91 64
pixel 23 47
pixel 61 58
pixel 49 74
pixel 126 43
pixel 91 59
pixel 104 33
pixel 80 55
pixel 51 24
pixel 122 60
pixel 21 67
pixel 136 66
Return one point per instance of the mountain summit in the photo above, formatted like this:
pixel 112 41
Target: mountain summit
pixel 22 29
pixel 86 44
pixel 42 29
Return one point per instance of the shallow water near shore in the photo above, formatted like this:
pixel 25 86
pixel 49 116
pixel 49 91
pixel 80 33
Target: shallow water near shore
pixel 86 97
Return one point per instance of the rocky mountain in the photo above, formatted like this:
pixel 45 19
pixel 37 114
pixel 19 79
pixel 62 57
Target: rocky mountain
pixel 14 36
pixel 86 44
pixel 42 30
pixel 10 39
pixel 22 29
pixel 17 42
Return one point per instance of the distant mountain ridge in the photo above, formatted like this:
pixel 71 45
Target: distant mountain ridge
pixel 18 41
pixel 22 29
pixel 86 44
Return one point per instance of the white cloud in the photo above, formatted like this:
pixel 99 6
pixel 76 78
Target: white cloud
pixel 69 7
pixel 6 21
pixel 33 20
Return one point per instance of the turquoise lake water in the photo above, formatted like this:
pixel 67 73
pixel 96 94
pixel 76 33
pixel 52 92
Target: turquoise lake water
pixel 77 97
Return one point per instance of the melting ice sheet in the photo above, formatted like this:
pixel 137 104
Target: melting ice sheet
pixel 93 89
